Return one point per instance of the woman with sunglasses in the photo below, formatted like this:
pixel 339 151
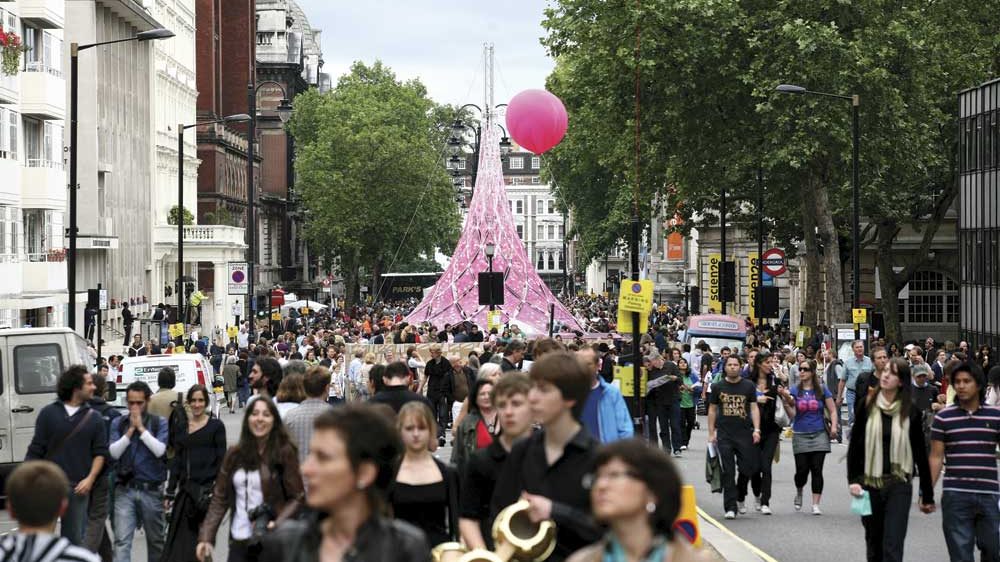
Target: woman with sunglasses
pixel 805 404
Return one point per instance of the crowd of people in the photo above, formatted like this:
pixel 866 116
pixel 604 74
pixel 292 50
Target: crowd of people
pixel 335 457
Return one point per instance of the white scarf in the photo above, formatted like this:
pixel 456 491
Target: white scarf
pixel 900 454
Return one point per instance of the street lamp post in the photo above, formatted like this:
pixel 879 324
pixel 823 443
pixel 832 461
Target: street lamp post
pixel 74 91
pixel 180 202
pixel 855 179
pixel 284 113
pixel 490 250
pixel 457 140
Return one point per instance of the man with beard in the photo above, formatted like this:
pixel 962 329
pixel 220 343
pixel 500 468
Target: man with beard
pixel 265 376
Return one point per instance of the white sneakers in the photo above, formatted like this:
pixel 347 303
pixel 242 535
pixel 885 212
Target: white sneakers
pixel 741 507
pixel 766 510
pixel 730 515
pixel 816 510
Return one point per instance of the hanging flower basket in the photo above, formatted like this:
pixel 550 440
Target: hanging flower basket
pixel 10 52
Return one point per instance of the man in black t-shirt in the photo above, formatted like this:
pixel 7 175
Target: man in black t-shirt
pixel 397 388
pixel 733 428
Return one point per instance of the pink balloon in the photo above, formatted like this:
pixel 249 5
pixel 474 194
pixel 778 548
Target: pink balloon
pixel 536 120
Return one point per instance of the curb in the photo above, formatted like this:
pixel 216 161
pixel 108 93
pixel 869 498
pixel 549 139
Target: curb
pixel 728 546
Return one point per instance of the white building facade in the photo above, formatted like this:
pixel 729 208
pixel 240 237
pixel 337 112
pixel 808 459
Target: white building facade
pixel 32 165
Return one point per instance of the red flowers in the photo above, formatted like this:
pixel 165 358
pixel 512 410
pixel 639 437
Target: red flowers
pixel 10 52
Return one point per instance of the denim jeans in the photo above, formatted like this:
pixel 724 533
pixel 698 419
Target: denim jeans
pixel 970 520
pixel 849 396
pixel 132 507
pixel 73 524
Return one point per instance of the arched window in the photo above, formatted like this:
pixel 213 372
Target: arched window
pixel 933 299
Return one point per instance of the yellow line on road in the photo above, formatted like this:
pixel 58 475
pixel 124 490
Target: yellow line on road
pixel 763 555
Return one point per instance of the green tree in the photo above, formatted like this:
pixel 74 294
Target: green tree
pixel 711 117
pixel 370 170
pixel 174 211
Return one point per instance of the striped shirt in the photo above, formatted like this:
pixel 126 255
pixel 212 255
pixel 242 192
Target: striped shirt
pixel 970 443
pixel 42 547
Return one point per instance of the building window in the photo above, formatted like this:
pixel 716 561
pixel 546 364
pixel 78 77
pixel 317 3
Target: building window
pixel 536 162
pixel 552 206
pixel 552 260
pixel 562 232
pixel 519 207
pixel 517 180
pixel 541 232
pixel 535 180
pixel 933 299
pixel 552 232
pixel 520 230
pixel 562 260
pixel 516 163
pixel 540 265
pixel 461 164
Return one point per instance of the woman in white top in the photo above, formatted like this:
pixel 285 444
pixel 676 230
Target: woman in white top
pixel 258 478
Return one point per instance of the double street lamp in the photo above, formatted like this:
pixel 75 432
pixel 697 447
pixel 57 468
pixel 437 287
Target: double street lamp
pixel 284 111
pixel 855 181
pixel 457 141
pixel 239 118
pixel 74 54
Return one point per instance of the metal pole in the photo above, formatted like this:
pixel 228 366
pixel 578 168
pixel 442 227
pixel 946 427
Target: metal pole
pixel 71 255
pixel 251 225
pixel 565 255
pixel 100 320
pixel 760 247
pixel 180 223
pixel 855 180
pixel 639 421
pixel 722 266
pixel 489 260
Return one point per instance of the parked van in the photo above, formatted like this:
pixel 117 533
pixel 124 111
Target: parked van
pixel 31 360
pixel 717 331
pixel 190 368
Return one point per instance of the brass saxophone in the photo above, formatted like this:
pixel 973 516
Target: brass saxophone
pixel 515 538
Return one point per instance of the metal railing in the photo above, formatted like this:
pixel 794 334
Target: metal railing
pixel 43 163
pixel 41 66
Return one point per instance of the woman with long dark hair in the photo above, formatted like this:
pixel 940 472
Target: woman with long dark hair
pixel 198 455
pixel 886 450
pixel 258 478
pixel 477 428
pixel 762 375
pixel 805 404
pixel 636 492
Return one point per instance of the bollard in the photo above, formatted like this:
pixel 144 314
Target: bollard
pixel 687 519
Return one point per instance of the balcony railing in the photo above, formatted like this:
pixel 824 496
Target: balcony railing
pixel 43 163
pixel 41 66
pixel 195 234
pixel 53 255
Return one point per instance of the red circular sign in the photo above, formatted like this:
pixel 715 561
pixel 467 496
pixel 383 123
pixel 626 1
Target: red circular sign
pixel 773 262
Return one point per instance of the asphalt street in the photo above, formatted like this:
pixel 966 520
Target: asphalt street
pixel 837 535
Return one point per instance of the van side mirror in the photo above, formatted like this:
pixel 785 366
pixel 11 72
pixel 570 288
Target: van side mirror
pixel 111 395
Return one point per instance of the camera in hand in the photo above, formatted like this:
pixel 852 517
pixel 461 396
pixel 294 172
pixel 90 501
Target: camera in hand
pixel 260 517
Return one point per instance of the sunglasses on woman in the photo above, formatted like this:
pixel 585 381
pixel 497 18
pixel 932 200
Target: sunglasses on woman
pixel 805 369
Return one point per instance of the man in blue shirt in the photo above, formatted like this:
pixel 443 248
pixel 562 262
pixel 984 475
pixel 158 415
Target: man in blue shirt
pixel 138 443
pixel 853 367
pixel 605 414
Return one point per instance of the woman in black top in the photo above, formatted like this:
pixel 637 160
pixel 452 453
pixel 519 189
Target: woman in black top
pixel 198 455
pixel 886 450
pixel 425 490
pixel 768 387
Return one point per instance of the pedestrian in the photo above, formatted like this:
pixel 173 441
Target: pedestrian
pixel 243 379
pixel 662 403
pixel 197 458
pixel 636 492
pixel 734 429
pixel 396 392
pixel 513 355
pixel 605 414
pixel 463 379
pixel 96 537
pixel 510 399
pixel 440 389
pixel 806 404
pixel 964 437
pixel 265 377
pixel 290 393
pixel 37 496
pixel 424 491
pixel 552 483
pixel 769 391
pixel 300 420
pixel 230 379
pixel 886 417
pixel 478 428
pixel 72 435
pixel 139 443
pixel 854 366
pixel 688 385
pixel 352 459
pixel 258 478
pixel 161 403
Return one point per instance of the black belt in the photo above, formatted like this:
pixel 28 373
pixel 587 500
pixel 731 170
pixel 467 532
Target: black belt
pixel 140 485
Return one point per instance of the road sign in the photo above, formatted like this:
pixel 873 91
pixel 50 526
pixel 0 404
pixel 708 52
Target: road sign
pixel 773 262
pixel 102 299
pixel 326 282
pixel 860 315
pixel 239 281
pixel 636 296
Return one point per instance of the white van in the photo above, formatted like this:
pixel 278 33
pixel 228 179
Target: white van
pixel 31 360
pixel 190 369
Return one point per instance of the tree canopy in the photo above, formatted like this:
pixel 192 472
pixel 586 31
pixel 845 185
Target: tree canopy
pixel 369 166
pixel 710 116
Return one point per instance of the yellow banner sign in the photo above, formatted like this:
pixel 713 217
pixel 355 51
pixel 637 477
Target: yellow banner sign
pixel 624 325
pixel 714 280
pixel 860 315
pixel 636 296
pixel 626 380
pixel 753 281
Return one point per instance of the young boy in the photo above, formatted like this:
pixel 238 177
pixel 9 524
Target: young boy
pixel 510 399
pixel 548 468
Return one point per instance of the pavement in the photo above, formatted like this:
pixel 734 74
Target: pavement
pixel 837 535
